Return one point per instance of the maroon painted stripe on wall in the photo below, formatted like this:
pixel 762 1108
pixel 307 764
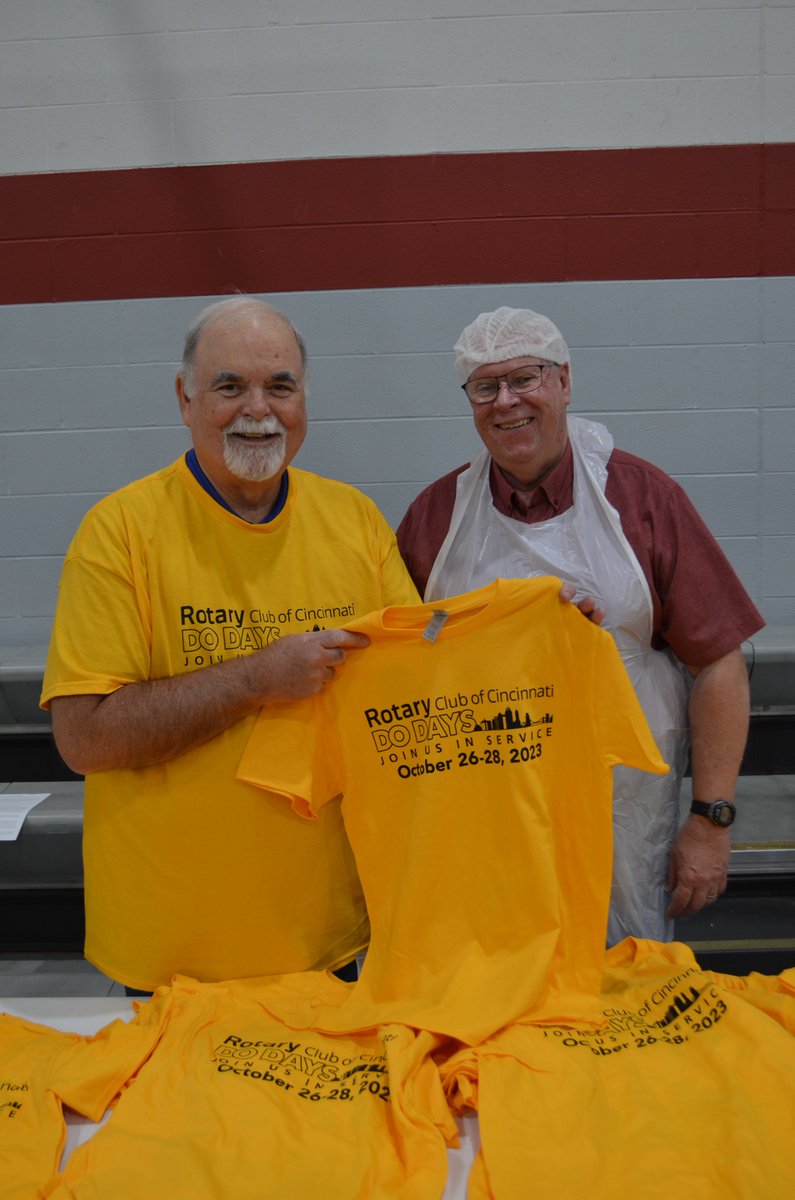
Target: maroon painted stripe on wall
pixel 695 211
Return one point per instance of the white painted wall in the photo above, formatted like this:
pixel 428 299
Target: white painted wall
pixel 99 84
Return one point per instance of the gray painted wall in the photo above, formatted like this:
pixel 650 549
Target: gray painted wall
pixel 695 375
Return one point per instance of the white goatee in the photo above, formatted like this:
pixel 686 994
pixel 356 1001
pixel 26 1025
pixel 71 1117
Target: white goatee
pixel 255 461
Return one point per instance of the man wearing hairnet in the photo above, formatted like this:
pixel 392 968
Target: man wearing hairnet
pixel 550 495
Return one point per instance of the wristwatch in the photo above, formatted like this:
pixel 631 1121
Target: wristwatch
pixel 720 812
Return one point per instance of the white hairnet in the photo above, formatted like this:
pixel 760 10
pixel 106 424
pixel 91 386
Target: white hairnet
pixel 508 333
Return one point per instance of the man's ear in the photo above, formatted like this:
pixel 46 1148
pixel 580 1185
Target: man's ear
pixel 565 381
pixel 184 400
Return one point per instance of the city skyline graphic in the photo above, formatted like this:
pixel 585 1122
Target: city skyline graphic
pixel 508 718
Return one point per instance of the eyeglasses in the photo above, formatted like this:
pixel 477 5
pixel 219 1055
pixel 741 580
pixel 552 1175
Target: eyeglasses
pixel 520 382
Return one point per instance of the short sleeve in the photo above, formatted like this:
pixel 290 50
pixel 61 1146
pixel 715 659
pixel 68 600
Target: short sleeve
pixel 87 1074
pixel 41 1070
pixel 293 752
pixel 624 733
pixel 701 609
pixel 100 639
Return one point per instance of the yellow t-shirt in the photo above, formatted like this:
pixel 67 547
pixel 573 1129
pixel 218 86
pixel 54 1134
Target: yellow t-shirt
pixel 476 779
pixel 186 868
pixel 687 1089
pixel 41 1070
pixel 233 1105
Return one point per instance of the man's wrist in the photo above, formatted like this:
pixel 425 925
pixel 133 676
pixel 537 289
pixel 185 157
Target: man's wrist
pixel 719 812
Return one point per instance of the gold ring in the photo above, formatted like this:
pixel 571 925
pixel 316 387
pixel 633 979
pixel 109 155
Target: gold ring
pixel 712 895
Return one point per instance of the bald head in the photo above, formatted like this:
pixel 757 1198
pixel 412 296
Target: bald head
pixel 230 311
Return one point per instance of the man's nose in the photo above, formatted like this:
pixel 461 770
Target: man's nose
pixel 505 396
pixel 258 402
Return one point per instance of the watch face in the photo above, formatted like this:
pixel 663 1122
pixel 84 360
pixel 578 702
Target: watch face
pixel 722 813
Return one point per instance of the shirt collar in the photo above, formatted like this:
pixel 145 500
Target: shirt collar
pixel 553 495
pixel 199 475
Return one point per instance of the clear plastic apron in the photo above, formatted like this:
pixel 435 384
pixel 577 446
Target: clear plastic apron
pixel 586 546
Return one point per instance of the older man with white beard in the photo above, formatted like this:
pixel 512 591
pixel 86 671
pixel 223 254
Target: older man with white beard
pixel 189 599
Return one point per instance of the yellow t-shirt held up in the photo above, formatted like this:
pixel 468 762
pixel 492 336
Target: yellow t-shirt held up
pixel 475 770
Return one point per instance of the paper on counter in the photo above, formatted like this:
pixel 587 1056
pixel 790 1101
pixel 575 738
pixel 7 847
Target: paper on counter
pixel 13 810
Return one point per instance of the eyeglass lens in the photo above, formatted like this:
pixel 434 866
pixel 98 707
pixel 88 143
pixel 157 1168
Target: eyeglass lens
pixel 520 381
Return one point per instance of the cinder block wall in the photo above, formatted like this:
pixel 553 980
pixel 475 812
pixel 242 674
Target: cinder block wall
pixel 677 300
pixel 97 84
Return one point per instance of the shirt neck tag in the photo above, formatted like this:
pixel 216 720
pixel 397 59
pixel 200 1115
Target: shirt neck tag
pixel 434 626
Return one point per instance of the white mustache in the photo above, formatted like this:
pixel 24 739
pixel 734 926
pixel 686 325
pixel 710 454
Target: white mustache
pixel 244 425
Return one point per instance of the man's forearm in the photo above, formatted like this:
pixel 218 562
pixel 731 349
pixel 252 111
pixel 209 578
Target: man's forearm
pixel 149 722
pixel 719 713
pixel 143 724
pixel 699 860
